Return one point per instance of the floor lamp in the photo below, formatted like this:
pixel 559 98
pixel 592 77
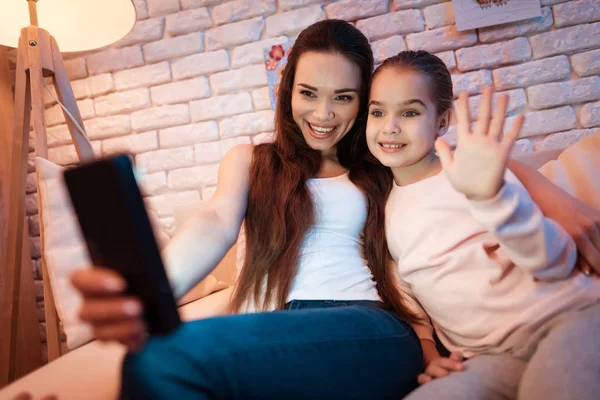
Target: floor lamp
pixel 78 25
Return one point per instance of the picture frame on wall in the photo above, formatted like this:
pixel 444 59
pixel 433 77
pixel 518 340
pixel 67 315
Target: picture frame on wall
pixel 472 14
pixel 275 60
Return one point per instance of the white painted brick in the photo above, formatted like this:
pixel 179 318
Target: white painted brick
pixel 401 4
pixel 292 22
pixel 247 124
pixel 562 93
pixel 208 193
pixel 385 48
pixel 546 121
pixel 143 32
pixel 493 55
pixel 242 9
pixel 586 64
pixel 187 4
pixel 54 115
pixel 261 98
pixel 168 225
pixel 115 60
pixel 515 29
pixel 176 47
pixel 220 106
pixel 132 144
pixel 160 117
pixel 566 40
pixel 31 162
pixel 67 155
pixel 188 134
pixel 576 12
pixel 208 153
pixel 532 73
pixel 239 79
pixel 156 8
pixel 140 9
pixel 439 15
pixel 397 23
pixel 552 2
pixel 285 5
pixel 436 40
pixel 153 184
pixel 266 137
pixel 589 115
pixel 351 10
pixel 235 34
pixel 31 204
pixel 93 86
pixel 471 82
pixel 58 136
pixel 448 58
pixel 193 178
pixel 188 21
pixel 516 102
pixel 107 127
pixel 180 91
pixel 228 144
pixel 145 76
pixel 35 245
pixel 31 183
pixel 76 68
pixel 122 102
pixel 253 53
pixel 562 140
pixel 165 159
pixel 34 225
pixel 166 204
pixel 200 64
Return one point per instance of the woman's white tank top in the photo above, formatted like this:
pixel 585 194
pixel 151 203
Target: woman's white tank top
pixel 331 266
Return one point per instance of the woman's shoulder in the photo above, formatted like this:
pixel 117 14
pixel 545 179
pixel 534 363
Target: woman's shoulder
pixel 238 156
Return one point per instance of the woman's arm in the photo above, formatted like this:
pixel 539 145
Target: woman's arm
pixel 207 236
pixel 580 221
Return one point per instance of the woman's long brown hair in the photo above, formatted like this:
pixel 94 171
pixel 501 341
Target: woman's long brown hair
pixel 280 208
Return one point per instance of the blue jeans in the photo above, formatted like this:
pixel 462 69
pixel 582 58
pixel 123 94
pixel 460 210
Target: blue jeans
pixel 314 350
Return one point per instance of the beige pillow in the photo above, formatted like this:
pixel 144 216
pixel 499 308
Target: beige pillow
pixel 64 248
pixel 577 170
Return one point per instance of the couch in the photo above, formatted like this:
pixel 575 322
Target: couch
pixel 92 372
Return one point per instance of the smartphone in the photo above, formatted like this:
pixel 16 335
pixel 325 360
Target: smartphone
pixel 118 234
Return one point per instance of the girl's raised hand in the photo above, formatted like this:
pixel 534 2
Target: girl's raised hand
pixel 477 166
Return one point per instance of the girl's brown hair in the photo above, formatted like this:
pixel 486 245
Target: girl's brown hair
pixel 280 208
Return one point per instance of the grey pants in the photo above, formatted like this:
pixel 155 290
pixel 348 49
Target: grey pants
pixel 561 361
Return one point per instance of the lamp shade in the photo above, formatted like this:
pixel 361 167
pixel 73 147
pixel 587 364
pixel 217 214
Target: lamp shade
pixel 77 25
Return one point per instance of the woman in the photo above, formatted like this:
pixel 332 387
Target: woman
pixel 305 212
pixel 307 200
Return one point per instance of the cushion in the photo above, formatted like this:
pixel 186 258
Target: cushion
pixel 576 170
pixel 64 250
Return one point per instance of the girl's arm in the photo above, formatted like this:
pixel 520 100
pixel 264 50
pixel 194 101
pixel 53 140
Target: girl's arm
pixel 579 220
pixel 207 236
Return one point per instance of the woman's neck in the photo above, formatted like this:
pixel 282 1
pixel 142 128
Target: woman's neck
pixel 425 168
pixel 330 166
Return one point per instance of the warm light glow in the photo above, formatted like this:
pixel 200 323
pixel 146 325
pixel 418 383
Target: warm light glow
pixel 77 25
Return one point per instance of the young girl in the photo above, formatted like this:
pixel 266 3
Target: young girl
pixel 495 276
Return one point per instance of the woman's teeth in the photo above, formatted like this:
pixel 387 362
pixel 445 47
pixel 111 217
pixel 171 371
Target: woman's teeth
pixel 320 130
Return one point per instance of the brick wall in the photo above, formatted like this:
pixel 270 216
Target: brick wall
pixel 189 81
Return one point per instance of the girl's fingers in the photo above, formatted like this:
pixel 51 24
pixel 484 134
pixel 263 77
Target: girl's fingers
pixel 450 365
pixel 456 356
pixel 423 379
pixel 436 371
pixel 514 132
pixel 123 331
pixel 497 124
pixel 485 112
pixel 462 115
pixel 444 153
